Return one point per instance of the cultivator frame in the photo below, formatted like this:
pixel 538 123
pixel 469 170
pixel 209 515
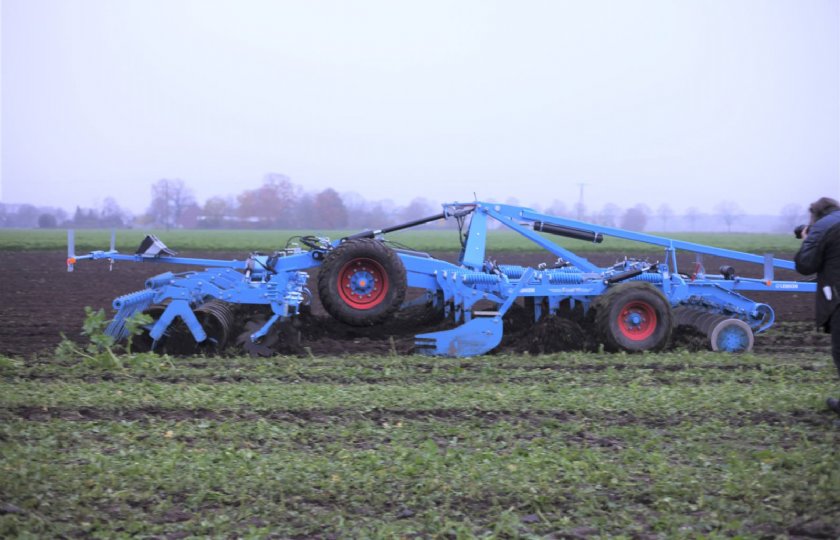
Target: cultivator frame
pixel 632 305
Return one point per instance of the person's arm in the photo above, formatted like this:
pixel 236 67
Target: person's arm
pixel 808 259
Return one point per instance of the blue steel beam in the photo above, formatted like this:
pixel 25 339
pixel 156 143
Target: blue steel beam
pixel 544 243
pixel 530 215
pixel 116 256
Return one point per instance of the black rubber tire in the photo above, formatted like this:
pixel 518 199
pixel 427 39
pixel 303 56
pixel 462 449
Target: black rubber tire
pixel 639 296
pixel 336 265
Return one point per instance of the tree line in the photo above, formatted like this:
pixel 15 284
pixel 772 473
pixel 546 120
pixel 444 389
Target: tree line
pixel 279 203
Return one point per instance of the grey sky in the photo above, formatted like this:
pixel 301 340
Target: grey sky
pixel 684 103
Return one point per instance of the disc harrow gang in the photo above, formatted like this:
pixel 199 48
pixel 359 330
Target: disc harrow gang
pixel 367 284
pixel 724 333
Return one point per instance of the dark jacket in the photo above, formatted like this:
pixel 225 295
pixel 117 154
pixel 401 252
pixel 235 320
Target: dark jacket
pixel 820 254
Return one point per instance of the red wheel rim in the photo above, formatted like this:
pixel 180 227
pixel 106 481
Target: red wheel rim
pixel 637 321
pixel 362 283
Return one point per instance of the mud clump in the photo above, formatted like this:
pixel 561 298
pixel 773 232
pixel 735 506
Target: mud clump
pixel 311 334
pixel 689 338
pixel 551 335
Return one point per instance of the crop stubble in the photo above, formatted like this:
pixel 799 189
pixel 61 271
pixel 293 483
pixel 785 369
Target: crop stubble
pixel 573 446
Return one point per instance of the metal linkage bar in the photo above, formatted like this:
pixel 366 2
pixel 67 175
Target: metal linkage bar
pixel 393 228
pixel 530 215
pixel 500 214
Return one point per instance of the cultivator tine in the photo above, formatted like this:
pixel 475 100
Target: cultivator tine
pixel 215 318
pixel 259 334
pixel 182 309
pixel 126 306
pixel 479 336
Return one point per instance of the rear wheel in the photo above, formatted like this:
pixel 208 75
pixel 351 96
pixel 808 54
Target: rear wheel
pixel 732 335
pixel 362 282
pixel 633 317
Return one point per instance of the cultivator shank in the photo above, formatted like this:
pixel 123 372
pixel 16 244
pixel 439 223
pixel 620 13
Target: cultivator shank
pixel 362 282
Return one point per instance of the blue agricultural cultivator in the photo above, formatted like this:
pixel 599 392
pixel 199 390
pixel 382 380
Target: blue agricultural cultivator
pixel 365 281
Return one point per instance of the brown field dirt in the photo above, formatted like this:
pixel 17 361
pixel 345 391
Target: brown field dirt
pixel 40 300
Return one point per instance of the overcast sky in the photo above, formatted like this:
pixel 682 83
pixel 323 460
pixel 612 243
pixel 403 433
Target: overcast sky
pixel 684 103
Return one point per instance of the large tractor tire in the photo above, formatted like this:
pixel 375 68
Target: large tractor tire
pixel 633 316
pixel 362 282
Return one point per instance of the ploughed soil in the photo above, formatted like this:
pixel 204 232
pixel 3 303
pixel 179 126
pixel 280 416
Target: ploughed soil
pixel 40 301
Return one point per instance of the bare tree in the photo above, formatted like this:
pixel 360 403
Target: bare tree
pixel 557 208
pixel 85 217
pixel 272 204
pixel 330 210
pixel 665 213
pixel 418 208
pixel 169 200
pixel 305 214
pixel 609 214
pixel 214 212
pixel 47 221
pixel 635 219
pixel 693 214
pixel 729 212
pixel 792 215
pixel 645 209
pixel 580 211
pixel 357 209
pixel 112 215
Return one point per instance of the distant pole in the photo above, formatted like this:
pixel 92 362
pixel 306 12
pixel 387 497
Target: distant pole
pixel 580 202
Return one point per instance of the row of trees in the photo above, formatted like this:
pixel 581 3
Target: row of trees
pixel 28 216
pixel 280 203
pixel 277 203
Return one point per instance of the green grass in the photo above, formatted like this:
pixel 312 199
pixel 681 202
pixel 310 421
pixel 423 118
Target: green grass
pixel 695 445
pixel 186 241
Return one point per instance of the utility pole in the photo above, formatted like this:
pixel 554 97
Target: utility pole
pixel 580 206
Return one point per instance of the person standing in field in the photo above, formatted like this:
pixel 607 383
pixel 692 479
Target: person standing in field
pixel 820 254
